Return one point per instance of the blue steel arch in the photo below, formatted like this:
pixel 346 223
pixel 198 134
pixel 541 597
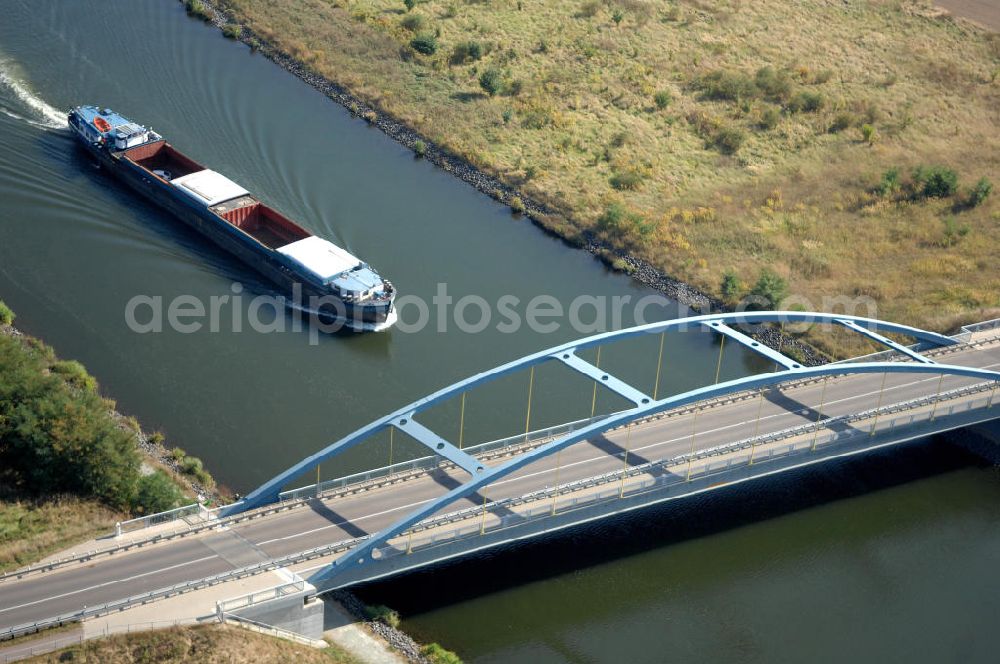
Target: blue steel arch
pixel 644 406
pixel 403 418
pixel 362 552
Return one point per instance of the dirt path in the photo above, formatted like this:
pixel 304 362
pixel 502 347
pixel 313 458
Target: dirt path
pixel 986 12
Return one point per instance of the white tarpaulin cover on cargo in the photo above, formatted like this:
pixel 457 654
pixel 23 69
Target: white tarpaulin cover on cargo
pixel 322 258
pixel 209 187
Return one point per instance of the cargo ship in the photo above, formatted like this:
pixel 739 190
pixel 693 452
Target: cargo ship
pixel 325 279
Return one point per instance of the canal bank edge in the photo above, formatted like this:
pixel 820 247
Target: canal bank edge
pixel 154 454
pixel 619 260
pixel 543 217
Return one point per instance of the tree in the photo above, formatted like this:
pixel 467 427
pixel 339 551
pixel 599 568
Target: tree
pixel 980 192
pixel 424 43
pixel 937 181
pixel 731 286
pixel 770 288
pixel 157 493
pixel 491 81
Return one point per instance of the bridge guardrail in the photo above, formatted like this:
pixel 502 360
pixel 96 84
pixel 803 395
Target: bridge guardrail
pixel 381 477
pixel 653 484
pixel 243 601
pixel 293 498
pixel 344 545
pixel 178 589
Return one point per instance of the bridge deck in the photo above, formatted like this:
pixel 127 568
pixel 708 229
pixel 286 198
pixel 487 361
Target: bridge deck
pixel 326 521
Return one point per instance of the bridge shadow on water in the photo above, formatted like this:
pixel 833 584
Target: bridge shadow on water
pixel 663 525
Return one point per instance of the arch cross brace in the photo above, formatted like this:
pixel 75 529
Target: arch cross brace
pixel 362 553
pixel 720 322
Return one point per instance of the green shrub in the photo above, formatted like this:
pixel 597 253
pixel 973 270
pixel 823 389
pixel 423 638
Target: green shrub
pixel 409 4
pixel 425 43
pixel 617 15
pixel 774 85
pixel 953 232
pixel 629 180
pixel 729 139
pixel 157 493
pixel 869 134
pixel 232 30
pixel 889 184
pixel 6 314
pixel 55 437
pixel 629 226
pixel 842 121
pixel 191 465
pixel 977 196
pixel 197 8
pixel 177 454
pixel 414 22
pixel 731 287
pixel 468 51
pixel 75 374
pixel 438 655
pixel 204 478
pixel 771 288
pixel 727 86
pixel 936 181
pixel 419 148
pixel 770 118
pixel 806 102
pixel 662 99
pixel 383 614
pixel 491 80
pixel 517 205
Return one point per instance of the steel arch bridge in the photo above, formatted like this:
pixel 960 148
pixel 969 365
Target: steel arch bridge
pixel 643 405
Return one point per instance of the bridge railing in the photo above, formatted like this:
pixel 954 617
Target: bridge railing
pixel 666 478
pixel 225 606
pixel 434 461
pixel 968 332
pixel 677 470
pixel 160 518
pixel 178 589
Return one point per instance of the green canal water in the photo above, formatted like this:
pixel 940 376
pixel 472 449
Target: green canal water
pixel 893 558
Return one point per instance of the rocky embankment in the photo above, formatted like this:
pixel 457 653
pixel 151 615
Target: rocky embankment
pixel 637 268
pixel 396 638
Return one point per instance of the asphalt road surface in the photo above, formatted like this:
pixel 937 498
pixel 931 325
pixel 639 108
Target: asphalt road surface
pixel 327 521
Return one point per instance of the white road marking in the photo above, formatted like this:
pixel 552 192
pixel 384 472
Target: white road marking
pixel 108 583
pixel 599 458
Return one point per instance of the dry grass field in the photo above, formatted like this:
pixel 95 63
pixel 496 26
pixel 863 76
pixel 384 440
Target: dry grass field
pixel 30 531
pixel 206 644
pixel 706 137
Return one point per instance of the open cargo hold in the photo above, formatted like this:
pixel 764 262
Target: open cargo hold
pixel 163 160
pixel 267 226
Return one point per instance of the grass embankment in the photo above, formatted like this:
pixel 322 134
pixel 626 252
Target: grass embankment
pixel 69 465
pixel 204 644
pixel 702 136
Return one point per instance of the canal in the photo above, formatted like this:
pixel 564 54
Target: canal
pixel 76 247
